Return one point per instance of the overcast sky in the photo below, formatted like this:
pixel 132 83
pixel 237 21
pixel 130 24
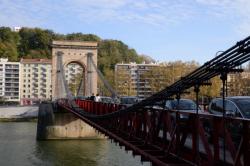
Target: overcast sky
pixel 166 30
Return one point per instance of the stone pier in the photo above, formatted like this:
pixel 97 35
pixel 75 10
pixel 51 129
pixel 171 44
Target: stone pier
pixel 59 124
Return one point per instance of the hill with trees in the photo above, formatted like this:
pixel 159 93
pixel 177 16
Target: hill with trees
pixel 35 43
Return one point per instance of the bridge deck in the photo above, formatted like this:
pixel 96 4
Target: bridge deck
pixel 162 140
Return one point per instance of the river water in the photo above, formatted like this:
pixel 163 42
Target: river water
pixel 18 147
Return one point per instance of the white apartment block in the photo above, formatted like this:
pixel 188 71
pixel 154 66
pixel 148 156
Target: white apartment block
pixel 71 72
pixel 17 29
pixel 9 80
pixel 130 76
pixel 35 80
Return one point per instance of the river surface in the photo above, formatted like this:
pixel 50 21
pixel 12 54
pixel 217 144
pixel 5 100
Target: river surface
pixel 18 147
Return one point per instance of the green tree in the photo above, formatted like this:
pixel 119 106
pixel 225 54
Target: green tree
pixel 123 84
pixel 213 90
pixel 156 78
pixel 6 35
pixel 35 39
pixel 8 44
pixel 82 37
pixel 8 50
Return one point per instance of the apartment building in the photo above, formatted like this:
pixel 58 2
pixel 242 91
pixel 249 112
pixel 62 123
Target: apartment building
pixel 72 70
pixel 35 81
pixel 238 84
pixel 131 81
pixel 9 80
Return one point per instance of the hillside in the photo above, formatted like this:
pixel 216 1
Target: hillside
pixel 35 43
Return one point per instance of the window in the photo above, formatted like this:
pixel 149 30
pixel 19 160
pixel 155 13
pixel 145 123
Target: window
pixel 231 109
pixel 217 107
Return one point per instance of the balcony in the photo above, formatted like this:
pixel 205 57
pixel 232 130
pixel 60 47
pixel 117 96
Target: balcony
pixel 43 84
pixel 43 95
pixel 12 71
pixel 9 80
pixel 43 69
pixel 11 66
pixel 11 94
pixel 35 79
pixel 35 74
pixel 11 89
pixel 43 79
pixel 12 76
pixel 11 85
pixel 43 75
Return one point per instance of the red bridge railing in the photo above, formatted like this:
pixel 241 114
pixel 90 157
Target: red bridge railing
pixel 164 137
pixel 97 108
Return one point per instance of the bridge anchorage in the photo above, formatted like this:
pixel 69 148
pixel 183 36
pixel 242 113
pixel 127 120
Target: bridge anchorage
pixel 164 137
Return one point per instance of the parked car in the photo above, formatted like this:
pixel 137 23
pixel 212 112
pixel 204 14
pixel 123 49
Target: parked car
pixel 105 99
pixel 184 105
pixel 128 100
pixel 81 97
pixel 235 106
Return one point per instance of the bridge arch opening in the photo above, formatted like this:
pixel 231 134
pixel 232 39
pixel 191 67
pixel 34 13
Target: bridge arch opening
pixel 75 75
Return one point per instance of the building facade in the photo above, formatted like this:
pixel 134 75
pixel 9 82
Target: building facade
pixel 131 80
pixel 9 80
pixel 238 84
pixel 35 81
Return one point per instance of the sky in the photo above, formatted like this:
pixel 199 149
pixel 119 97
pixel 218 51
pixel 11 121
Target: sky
pixel 166 30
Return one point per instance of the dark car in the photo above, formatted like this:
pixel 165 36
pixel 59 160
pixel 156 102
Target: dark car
pixel 236 106
pixel 128 101
pixel 184 105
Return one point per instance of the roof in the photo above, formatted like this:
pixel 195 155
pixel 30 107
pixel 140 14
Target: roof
pixel 37 60
pixel 238 97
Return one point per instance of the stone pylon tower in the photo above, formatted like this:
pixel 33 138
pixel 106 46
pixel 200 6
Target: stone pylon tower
pixel 74 52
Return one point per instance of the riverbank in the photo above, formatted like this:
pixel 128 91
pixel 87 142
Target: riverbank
pixel 18 113
pixel 18 119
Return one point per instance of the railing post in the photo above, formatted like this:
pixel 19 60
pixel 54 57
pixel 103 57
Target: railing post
pixel 177 132
pixel 197 149
pixel 215 135
pixel 223 79
pixel 246 143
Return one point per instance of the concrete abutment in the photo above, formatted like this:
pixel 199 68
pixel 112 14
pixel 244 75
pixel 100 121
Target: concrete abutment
pixel 58 124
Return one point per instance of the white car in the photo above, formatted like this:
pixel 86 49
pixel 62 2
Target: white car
pixel 104 99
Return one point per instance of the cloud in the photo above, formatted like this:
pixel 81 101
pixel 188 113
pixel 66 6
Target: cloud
pixel 237 10
pixel 141 11
pixel 156 13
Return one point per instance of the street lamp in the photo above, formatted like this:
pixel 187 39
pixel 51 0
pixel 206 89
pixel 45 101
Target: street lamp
pixel 224 84
pixel 218 53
